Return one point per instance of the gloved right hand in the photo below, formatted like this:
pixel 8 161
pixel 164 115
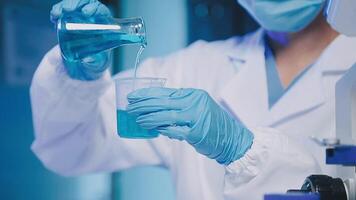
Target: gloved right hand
pixel 191 115
pixel 92 67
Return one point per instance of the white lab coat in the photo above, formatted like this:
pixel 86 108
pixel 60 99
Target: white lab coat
pixel 75 121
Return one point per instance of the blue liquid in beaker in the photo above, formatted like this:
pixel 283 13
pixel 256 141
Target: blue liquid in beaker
pixel 128 128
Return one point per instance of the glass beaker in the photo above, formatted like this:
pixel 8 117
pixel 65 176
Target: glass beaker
pixel 80 36
pixel 126 123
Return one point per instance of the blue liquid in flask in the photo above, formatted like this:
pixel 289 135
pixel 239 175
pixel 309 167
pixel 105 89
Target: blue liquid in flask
pixel 128 128
pixel 80 37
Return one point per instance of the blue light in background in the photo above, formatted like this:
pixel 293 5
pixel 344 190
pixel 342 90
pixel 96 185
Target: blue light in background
pixel 27 34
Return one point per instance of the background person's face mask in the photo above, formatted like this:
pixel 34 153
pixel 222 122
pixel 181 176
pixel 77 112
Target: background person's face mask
pixel 283 15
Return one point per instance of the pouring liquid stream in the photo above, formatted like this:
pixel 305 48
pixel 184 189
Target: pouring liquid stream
pixel 137 61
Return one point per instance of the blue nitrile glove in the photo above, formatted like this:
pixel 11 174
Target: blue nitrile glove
pixel 191 115
pixel 92 67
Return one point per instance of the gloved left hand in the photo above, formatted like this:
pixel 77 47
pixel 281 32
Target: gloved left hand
pixel 191 115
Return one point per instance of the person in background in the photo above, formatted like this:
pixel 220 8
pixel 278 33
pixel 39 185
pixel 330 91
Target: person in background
pixel 235 118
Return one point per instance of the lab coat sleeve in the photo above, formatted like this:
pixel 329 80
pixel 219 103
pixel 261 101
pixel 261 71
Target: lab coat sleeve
pixel 274 164
pixel 75 124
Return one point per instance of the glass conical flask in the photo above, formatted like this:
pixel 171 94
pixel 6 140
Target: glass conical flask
pixel 80 37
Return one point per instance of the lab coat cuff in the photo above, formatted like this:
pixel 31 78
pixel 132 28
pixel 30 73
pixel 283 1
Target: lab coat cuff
pixel 52 76
pixel 249 166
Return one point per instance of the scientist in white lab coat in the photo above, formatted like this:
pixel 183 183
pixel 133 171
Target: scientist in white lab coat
pixel 238 113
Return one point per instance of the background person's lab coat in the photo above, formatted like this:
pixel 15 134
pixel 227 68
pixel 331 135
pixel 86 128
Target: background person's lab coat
pixel 75 122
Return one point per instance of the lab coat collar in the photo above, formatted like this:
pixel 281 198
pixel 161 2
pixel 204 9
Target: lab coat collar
pixel 246 95
pixel 340 55
pixel 241 47
pixel 306 95
pixel 309 92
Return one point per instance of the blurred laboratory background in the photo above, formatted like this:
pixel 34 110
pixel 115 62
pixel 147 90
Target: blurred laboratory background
pixel 27 34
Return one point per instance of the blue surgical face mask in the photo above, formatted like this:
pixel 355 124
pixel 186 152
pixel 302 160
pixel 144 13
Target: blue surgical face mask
pixel 283 15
